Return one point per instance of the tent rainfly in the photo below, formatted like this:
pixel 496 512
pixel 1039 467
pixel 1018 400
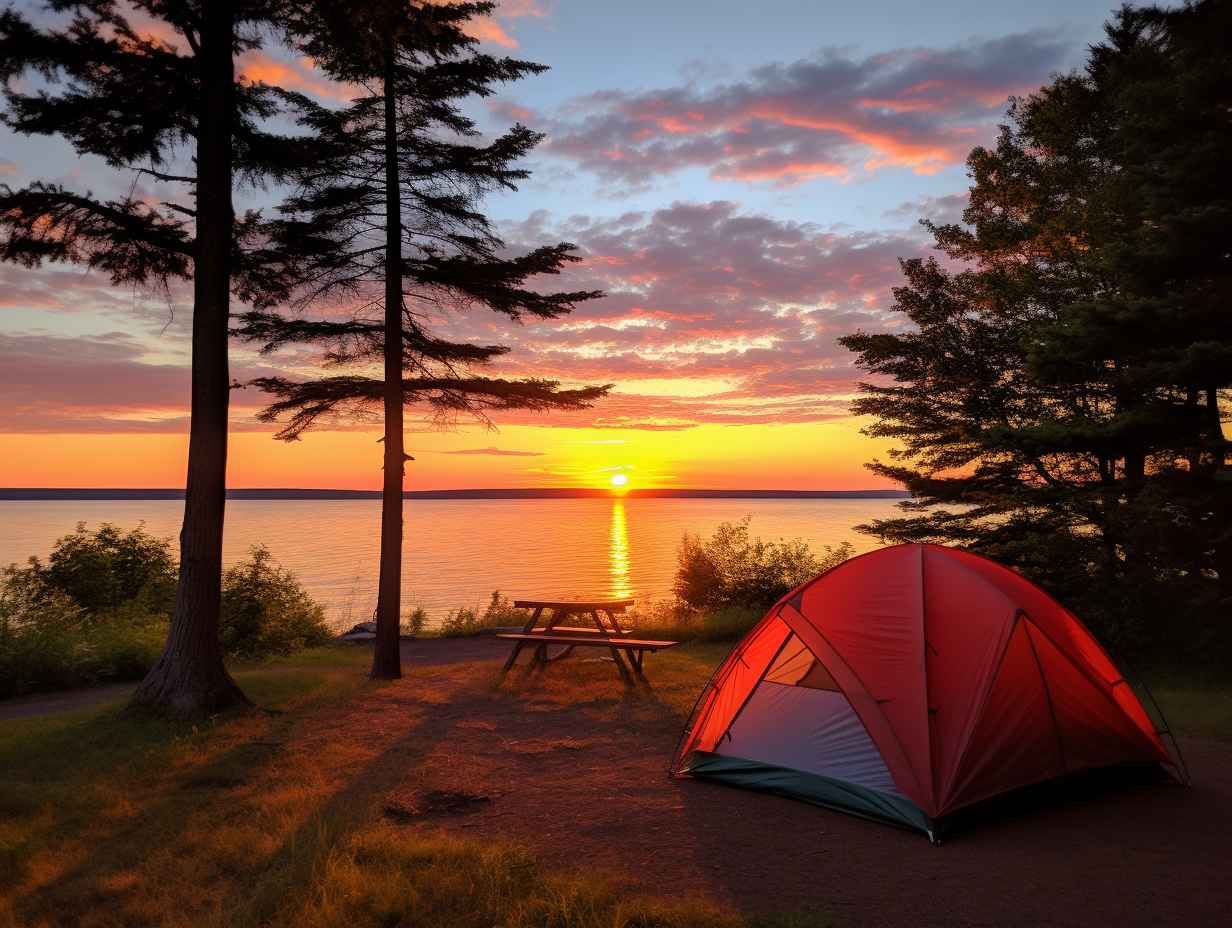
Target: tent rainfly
pixel 910 683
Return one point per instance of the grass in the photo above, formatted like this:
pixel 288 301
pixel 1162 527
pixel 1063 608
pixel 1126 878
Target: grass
pixel 380 878
pixel 274 817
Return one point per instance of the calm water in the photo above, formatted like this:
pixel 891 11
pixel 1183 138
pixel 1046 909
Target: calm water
pixel 458 551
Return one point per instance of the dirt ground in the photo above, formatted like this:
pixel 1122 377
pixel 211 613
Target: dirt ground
pixel 572 763
pixel 584 781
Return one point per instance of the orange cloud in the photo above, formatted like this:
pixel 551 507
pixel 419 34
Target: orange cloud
pixel 259 67
pixel 784 175
pixel 490 29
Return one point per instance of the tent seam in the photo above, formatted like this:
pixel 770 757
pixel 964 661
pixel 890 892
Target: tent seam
pixel 1097 683
pixel 692 723
pixel 992 682
pixel 864 686
pixel 756 683
pixel 1117 664
pixel 928 709
pixel 1056 726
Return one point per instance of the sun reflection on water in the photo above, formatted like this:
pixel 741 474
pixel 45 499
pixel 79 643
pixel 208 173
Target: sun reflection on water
pixel 618 552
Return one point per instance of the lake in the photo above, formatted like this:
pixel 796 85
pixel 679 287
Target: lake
pixel 458 551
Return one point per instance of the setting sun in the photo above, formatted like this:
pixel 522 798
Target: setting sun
pixel 620 481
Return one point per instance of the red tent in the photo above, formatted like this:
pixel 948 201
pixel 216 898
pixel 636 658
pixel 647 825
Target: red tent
pixel 912 682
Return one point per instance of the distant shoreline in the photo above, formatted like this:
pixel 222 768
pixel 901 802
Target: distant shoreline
pixel 19 494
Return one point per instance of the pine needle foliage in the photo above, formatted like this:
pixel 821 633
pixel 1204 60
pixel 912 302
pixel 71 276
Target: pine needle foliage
pixel 1059 397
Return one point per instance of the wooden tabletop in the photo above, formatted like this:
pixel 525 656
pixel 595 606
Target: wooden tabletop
pixel 573 605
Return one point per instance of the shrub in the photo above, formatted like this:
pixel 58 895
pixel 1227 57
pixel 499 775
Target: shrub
pixel 679 622
pixel 266 612
pixel 47 641
pixel 98 611
pixel 414 623
pixel 499 613
pixel 730 569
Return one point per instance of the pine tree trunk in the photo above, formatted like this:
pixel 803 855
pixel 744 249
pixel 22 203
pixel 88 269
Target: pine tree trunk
pixel 387 656
pixel 190 677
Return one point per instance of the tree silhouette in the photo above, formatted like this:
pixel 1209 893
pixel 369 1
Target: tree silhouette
pixel 136 101
pixel 388 223
pixel 1058 397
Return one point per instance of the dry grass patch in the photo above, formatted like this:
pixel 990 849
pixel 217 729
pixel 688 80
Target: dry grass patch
pixel 279 816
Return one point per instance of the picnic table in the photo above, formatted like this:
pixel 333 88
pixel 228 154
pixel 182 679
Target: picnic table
pixel 605 633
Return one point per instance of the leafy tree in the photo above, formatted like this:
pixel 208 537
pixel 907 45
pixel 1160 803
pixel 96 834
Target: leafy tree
pixel 137 102
pixel 109 568
pixel 387 224
pixel 1057 400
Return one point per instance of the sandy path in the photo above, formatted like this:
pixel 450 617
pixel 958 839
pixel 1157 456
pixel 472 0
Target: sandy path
pixel 26 707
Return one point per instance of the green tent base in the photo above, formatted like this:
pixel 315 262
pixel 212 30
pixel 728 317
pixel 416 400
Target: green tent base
pixel 818 790
pixel 899 811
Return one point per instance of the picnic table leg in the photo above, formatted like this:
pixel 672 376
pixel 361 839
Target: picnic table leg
pixel 555 618
pixel 620 661
pixel 611 617
pixel 517 648
pixel 635 663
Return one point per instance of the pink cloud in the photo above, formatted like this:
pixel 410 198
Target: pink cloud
pixel 749 305
pixel 826 116
pixel 497 452
pixel 99 383
pixel 701 291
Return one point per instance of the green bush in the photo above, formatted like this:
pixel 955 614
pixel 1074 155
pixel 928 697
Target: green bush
pixel 464 622
pixel 265 611
pixel 732 570
pixel 98 609
pixel 52 643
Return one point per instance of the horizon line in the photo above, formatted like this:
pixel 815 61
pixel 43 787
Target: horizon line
pixel 34 494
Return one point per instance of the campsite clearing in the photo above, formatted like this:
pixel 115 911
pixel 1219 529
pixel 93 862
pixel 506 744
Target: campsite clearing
pixel 300 817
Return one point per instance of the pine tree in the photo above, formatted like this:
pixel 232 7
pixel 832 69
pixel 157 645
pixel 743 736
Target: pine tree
pixel 135 102
pixel 1058 401
pixel 388 223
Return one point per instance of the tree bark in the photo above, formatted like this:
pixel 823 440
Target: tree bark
pixel 190 677
pixel 387 656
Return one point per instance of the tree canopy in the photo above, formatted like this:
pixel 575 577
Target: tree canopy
pixel 334 232
pixel 386 236
pixel 1058 399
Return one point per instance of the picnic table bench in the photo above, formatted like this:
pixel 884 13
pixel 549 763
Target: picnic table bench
pixel 606 633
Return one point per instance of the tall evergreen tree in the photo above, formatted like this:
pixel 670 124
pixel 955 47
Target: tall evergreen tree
pixel 389 224
pixel 135 102
pixel 1058 399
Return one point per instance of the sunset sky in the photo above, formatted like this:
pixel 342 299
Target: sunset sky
pixel 740 178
